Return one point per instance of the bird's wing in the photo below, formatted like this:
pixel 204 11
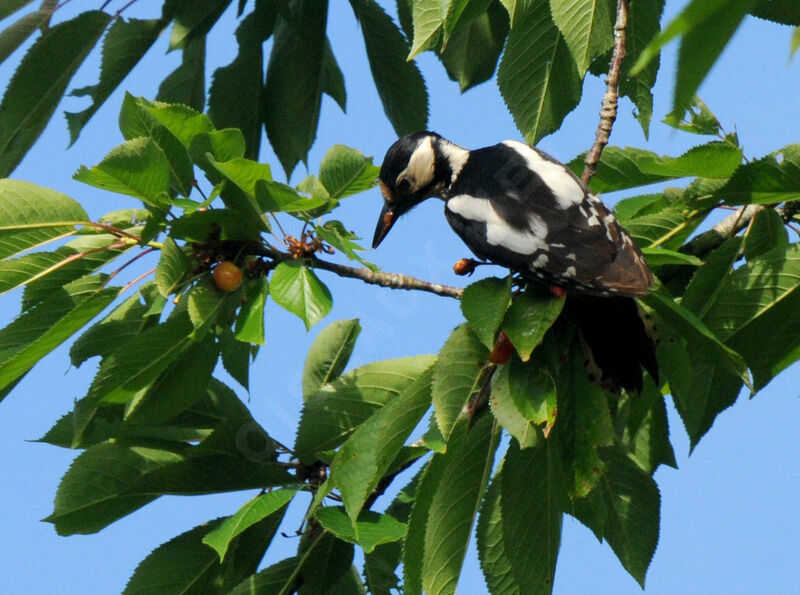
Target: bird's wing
pixel 521 208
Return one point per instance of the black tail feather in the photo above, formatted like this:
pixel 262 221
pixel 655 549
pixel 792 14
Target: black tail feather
pixel 620 342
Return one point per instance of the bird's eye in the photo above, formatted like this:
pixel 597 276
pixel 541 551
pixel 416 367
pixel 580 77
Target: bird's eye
pixel 403 185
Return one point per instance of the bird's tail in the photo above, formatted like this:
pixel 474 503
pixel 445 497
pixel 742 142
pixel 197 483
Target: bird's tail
pixel 619 338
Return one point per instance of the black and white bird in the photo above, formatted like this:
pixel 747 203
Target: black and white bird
pixel 520 208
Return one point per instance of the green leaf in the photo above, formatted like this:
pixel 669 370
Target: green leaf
pixel 249 326
pixel 9 7
pixel 381 563
pixel 646 431
pixel 138 168
pixel 274 197
pixel 245 173
pixel 644 22
pixel 15 35
pixel 704 336
pixel 44 327
pixel 336 234
pixel 795 43
pixel 587 27
pixel 667 228
pixel 369 530
pixel 31 216
pixel 414 553
pixel 771 179
pixel 185 564
pixel 538 78
pixel 236 357
pixel 619 169
pixel 200 225
pixel 700 387
pixel 455 503
pixel 257 509
pixel 584 425
pixel 139 116
pixel 633 502
pixel 124 45
pixel 702 45
pixel 186 85
pixel 658 257
pixel 701 119
pixel 333 78
pixel 272 579
pixel 784 12
pixel 328 355
pixel 244 78
pixel 172 267
pixel 528 319
pixel 760 300
pixel 40 81
pixel 532 493
pixel 368 453
pixel 180 386
pixel 91 494
pixel 472 51
pixel 295 81
pixel 398 81
pixel 491 543
pixel 766 233
pixel 716 160
pixel 533 391
pixel 506 412
pixel 706 27
pixel 457 375
pixel 326 561
pixel 337 408
pixel 345 171
pixel 135 365
pixel 429 17
pixel 484 304
pixel 204 305
pixel 706 283
pixel 123 323
pixel 46 272
pixel 297 288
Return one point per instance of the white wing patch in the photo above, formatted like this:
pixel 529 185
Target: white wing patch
pixel 498 232
pixel 567 191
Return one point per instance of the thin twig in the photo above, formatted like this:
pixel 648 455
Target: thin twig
pixel 383 279
pixel 133 282
pixel 130 262
pixel 608 109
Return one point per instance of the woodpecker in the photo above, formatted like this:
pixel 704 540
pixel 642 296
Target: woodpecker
pixel 516 206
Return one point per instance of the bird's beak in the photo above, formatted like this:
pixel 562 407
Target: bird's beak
pixel 385 222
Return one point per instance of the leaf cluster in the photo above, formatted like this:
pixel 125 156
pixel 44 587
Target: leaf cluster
pixel 502 447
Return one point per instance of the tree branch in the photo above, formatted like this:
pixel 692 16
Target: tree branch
pixel 384 279
pixel 608 108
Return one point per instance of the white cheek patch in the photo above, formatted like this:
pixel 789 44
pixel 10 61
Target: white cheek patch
pixel 498 232
pixel 566 190
pixel 421 165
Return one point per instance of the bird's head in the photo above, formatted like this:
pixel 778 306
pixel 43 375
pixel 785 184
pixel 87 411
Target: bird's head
pixel 414 169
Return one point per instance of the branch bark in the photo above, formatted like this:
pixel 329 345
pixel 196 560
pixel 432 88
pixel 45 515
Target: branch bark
pixel 733 224
pixel 381 278
pixel 608 108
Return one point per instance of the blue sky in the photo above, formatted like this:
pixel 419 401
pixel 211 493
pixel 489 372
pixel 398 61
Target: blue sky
pixel 729 514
